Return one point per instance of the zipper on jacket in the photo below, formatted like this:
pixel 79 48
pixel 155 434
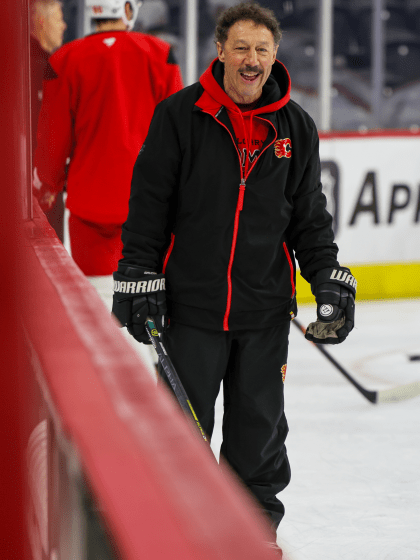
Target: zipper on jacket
pixel 239 206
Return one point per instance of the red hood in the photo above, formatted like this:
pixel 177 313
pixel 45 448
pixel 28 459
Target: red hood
pixel 220 98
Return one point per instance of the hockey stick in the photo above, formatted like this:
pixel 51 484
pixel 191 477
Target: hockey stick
pixel 171 374
pixel 384 396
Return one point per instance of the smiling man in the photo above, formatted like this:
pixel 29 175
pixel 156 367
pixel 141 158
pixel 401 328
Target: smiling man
pixel 248 53
pixel 225 193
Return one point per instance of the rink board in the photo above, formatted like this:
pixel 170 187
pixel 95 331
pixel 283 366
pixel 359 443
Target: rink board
pixel 375 282
pixel 372 185
pixel 113 445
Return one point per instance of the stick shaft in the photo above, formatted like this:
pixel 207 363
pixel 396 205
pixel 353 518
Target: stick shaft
pixel 371 396
pixel 172 375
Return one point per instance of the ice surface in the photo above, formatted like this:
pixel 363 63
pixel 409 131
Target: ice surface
pixel 355 489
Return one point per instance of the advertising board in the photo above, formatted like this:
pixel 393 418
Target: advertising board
pixel 372 185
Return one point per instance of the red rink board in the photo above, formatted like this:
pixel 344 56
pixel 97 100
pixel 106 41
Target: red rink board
pixel 163 494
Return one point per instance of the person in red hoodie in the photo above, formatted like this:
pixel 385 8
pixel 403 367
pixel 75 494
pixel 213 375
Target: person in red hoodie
pixel 100 93
pixel 225 193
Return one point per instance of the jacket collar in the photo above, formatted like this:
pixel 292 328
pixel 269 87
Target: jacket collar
pixel 276 91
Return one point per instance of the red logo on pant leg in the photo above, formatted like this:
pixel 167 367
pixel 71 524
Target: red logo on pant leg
pixel 283 148
pixel 283 372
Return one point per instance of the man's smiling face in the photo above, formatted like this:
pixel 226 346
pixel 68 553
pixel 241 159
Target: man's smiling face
pixel 248 55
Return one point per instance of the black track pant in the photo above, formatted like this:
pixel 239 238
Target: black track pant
pixel 250 364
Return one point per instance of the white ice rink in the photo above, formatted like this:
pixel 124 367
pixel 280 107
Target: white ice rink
pixel 355 489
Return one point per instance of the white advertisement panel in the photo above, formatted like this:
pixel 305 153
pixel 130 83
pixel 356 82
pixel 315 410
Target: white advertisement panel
pixel 372 184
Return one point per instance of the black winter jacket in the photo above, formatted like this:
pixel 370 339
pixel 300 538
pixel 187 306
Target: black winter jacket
pixel 227 242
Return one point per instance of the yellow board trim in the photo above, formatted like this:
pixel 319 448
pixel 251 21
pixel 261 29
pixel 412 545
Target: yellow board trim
pixel 375 281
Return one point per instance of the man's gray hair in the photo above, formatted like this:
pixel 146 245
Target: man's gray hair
pixel 247 11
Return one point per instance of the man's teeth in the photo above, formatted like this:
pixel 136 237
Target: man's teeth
pixel 249 76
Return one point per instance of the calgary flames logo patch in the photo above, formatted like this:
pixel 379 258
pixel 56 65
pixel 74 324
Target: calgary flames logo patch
pixel 283 372
pixel 283 148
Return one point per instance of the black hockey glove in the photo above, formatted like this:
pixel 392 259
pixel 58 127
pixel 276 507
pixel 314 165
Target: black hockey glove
pixel 334 290
pixel 139 293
